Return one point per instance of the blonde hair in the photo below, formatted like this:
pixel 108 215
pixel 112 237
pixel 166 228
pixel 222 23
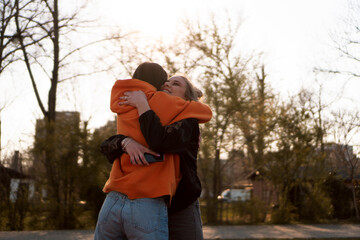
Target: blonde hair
pixel 192 93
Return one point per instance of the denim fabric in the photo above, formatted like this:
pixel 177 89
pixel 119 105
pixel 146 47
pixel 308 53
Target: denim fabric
pixel 186 224
pixel 121 218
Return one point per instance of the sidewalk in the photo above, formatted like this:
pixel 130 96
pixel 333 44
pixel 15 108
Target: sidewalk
pixel 282 231
pixel 216 232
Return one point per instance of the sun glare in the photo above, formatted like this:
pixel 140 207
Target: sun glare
pixel 156 18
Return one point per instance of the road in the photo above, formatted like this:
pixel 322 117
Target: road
pixel 216 232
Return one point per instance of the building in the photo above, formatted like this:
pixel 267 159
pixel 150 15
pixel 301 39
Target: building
pixel 14 183
pixel 63 144
pixel 339 159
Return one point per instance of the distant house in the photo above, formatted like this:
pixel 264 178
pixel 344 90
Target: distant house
pixel 262 189
pixel 339 159
pixel 12 181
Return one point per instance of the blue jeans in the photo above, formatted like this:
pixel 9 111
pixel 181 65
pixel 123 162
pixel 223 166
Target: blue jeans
pixel 121 218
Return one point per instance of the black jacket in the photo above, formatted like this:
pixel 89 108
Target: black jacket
pixel 181 138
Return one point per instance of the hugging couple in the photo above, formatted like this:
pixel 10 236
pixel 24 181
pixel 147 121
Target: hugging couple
pixel 153 187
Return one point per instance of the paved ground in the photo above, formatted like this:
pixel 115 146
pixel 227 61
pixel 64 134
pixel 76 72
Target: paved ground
pixel 216 232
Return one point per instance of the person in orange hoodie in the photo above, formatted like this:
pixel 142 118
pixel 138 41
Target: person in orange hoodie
pixel 136 203
pixel 184 218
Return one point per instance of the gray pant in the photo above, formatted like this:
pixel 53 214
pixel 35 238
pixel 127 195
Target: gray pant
pixel 186 224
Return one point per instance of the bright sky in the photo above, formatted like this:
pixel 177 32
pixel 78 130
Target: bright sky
pixel 293 34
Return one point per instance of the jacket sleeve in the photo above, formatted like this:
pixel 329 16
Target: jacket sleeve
pixel 111 147
pixel 173 138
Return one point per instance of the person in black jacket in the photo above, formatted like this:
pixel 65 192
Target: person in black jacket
pixel 182 138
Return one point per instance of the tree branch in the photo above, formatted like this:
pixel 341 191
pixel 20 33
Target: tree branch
pixel 26 59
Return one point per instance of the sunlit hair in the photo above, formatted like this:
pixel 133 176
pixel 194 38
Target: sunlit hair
pixel 151 73
pixel 191 92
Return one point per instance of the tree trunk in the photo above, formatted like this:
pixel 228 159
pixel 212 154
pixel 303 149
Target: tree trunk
pixel 354 200
pixel 213 208
pixel 260 125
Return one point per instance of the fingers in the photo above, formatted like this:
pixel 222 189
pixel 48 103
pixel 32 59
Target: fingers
pixel 135 160
pixel 136 152
pixel 139 159
pixel 127 95
pixel 148 150
pixel 132 160
pixel 124 103
pixel 152 152
pixel 132 98
pixel 143 160
pixel 125 100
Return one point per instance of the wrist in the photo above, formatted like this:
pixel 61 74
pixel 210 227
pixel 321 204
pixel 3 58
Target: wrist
pixel 143 107
pixel 125 142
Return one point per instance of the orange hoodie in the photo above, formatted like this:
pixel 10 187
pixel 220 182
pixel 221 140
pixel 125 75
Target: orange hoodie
pixel 157 179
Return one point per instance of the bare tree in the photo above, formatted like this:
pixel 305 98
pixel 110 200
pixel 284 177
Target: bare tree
pixel 9 40
pixel 126 54
pixel 46 37
pixel 46 23
pixel 295 167
pixel 345 130
pixel 208 53
pixel 346 43
pixel 8 36
pixel 2 107
pixel 237 96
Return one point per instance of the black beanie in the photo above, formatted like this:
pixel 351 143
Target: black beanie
pixel 151 73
